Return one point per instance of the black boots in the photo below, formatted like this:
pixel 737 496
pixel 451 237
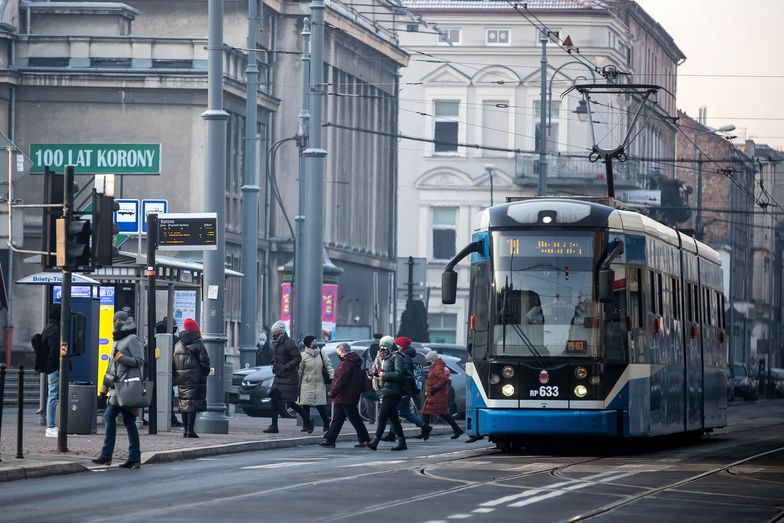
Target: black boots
pixel 401 444
pixel 373 445
pixel 272 429
pixel 186 430
pixel 424 432
pixel 190 421
pixel 457 433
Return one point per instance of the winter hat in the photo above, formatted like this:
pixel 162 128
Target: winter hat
pixel 121 316
pixel 403 342
pixel 190 325
pixel 278 328
pixel 431 356
pixel 308 340
pixel 387 342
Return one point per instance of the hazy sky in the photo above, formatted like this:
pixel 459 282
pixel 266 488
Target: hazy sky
pixel 729 37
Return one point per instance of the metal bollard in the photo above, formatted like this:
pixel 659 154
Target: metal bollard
pixel 20 414
pixel 2 395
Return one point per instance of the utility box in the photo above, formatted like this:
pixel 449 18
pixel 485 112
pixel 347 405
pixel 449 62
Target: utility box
pixel 83 408
pixel 163 380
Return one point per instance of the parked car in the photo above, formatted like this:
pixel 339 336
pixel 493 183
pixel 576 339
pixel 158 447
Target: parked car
pixel 450 349
pixel 252 391
pixel 744 383
pixel 776 381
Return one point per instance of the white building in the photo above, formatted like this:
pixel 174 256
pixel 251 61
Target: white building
pixel 484 90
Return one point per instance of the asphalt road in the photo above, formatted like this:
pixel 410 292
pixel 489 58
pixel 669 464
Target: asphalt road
pixel 735 476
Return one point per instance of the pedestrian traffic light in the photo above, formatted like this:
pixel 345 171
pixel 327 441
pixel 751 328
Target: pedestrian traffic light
pixel 103 230
pixel 73 243
pixel 53 195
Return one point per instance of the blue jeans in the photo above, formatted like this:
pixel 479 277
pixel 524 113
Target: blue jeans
pixel 404 409
pixel 53 381
pixel 110 422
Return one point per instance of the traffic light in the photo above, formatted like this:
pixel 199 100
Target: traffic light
pixel 103 230
pixel 53 195
pixel 73 243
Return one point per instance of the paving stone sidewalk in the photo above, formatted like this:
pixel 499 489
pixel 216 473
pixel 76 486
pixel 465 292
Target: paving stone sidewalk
pixel 41 457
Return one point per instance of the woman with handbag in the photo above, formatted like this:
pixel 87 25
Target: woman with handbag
pixel 315 373
pixel 191 367
pixel 125 365
pixel 437 389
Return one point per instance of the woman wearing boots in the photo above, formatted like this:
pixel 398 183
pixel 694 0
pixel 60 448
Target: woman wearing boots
pixel 388 381
pixel 313 388
pixel 437 389
pixel 191 367
pixel 285 385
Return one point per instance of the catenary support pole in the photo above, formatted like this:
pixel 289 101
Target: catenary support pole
pixel 152 363
pixel 542 187
pixel 250 200
pixel 302 143
pixel 313 230
pixel 20 414
pixel 214 421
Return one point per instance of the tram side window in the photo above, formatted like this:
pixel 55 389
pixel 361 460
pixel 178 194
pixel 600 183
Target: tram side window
pixel 652 288
pixel 722 312
pixel 708 308
pixel 635 297
pixel 675 301
pixel 689 303
pixel 660 294
pixel 696 292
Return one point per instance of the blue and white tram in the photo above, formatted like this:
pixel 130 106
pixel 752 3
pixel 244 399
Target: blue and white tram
pixel 588 319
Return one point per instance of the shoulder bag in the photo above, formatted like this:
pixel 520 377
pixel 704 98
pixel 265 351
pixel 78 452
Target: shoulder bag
pixel 324 371
pixel 133 393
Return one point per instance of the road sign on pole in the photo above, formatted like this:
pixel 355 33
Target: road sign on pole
pixel 188 231
pixel 152 207
pixel 97 158
pixel 127 217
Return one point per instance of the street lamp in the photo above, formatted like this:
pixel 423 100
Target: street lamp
pixel 581 111
pixel 489 168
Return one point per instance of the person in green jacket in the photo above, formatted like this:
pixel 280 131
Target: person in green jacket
pixel 389 372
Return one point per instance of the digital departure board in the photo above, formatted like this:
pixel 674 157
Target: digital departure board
pixel 187 232
pixel 563 246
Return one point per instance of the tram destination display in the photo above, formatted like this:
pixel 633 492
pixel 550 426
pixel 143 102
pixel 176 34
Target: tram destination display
pixel 187 231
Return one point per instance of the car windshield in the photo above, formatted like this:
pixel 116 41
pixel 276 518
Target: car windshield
pixel 544 294
pixel 738 371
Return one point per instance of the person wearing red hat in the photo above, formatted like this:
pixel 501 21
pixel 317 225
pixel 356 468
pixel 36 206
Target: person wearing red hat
pixel 191 367
pixel 410 392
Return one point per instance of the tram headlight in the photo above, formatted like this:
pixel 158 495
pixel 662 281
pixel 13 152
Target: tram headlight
pixel 580 391
pixel 507 372
pixel 580 373
pixel 495 379
pixel 508 390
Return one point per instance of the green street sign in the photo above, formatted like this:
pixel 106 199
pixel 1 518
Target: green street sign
pixel 97 158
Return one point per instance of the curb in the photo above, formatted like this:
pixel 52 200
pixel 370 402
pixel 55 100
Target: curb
pixel 41 471
pixel 167 456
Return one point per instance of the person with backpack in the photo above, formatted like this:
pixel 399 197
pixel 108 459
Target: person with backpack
pixel 410 391
pixel 348 383
pixel 47 360
pixel 388 378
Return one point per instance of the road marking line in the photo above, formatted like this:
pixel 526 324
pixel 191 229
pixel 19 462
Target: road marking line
pixel 483 510
pixel 459 516
pixel 579 486
pixel 280 465
pixel 533 492
pixel 372 463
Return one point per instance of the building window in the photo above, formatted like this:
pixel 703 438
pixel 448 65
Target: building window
pixel 552 130
pixel 499 37
pixel 444 232
pixel 446 113
pixel 442 328
pixel 451 34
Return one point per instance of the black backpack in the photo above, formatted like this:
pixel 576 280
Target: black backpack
pixel 41 353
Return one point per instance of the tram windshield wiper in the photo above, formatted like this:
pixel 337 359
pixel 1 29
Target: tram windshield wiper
pixel 505 313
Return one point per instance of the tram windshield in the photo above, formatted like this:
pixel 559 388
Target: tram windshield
pixel 544 294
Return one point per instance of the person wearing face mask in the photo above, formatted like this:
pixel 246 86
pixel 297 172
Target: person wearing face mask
pixel 313 371
pixel 389 375
pixel 347 386
pixel 285 367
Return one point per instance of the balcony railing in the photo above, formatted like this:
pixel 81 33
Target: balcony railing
pixel 576 169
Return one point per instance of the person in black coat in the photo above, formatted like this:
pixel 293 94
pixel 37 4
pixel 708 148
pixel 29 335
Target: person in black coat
pixel 48 362
pixel 191 366
pixel 285 385
pixel 347 385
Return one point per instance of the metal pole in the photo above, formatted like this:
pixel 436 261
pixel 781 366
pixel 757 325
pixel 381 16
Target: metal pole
pixel 214 421
pixel 9 322
pixel 250 200
pixel 65 321
pixel 542 188
pixel 733 349
pixel 410 283
pixel 43 389
pixel 152 364
pixel 20 414
pixel 698 221
pixel 302 142
pixel 313 229
pixel 608 170
pixel 2 395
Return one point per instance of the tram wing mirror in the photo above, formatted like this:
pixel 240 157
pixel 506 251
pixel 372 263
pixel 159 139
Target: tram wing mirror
pixel 448 287
pixel 606 280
